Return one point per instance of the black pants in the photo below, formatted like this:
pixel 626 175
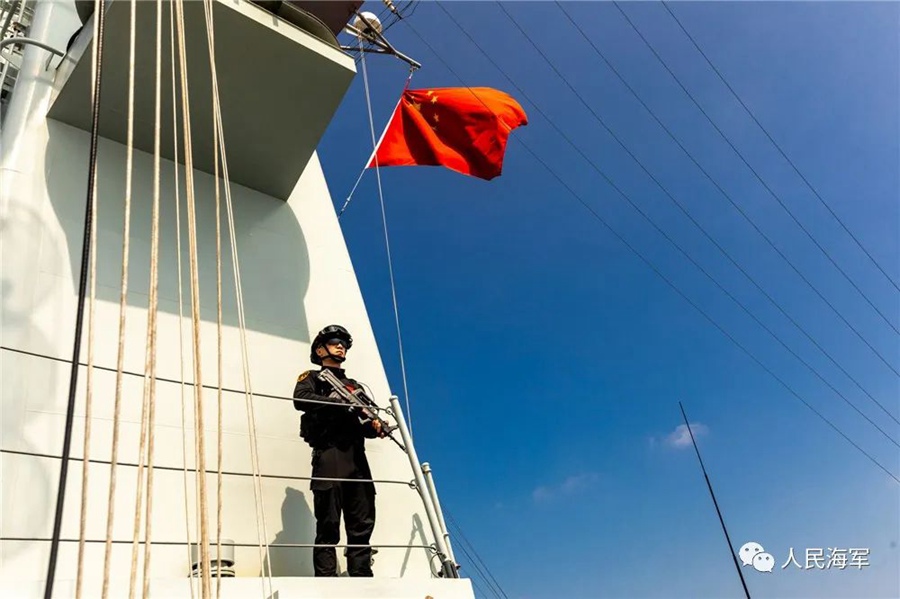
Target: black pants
pixel 357 503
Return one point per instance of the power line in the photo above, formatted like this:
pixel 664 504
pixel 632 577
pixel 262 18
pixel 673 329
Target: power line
pixel 657 271
pixel 465 540
pixel 708 176
pixel 682 251
pixel 753 170
pixel 720 248
pixel 778 147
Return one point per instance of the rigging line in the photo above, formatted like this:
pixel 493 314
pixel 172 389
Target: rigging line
pixel 89 393
pixel 200 440
pixel 387 243
pixel 379 481
pixel 219 364
pixel 597 216
pixel 145 404
pixel 715 503
pixel 687 255
pixel 480 573
pixel 720 248
pixel 175 543
pixel 778 147
pixel 187 522
pixel 154 292
pixel 465 540
pixel 96 63
pixel 120 358
pixel 262 538
pixel 168 380
pixel 755 173
pixel 724 193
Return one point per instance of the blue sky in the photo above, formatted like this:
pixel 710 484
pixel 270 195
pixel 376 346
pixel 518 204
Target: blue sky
pixel 545 360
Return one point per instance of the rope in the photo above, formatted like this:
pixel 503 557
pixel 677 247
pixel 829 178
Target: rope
pixel 245 361
pixel 89 390
pixel 154 297
pixel 387 242
pixel 219 442
pixel 86 251
pixel 120 356
pixel 187 523
pixel 200 440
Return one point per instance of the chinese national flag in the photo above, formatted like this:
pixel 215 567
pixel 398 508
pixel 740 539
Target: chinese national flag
pixel 463 129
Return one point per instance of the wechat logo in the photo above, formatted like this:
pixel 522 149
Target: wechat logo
pixel 753 554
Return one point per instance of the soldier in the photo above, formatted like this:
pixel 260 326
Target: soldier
pixel 337 437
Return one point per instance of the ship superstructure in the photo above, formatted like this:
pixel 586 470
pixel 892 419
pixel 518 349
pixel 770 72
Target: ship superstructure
pixel 276 265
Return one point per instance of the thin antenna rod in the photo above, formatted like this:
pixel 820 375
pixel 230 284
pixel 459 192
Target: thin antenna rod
pixel 716 503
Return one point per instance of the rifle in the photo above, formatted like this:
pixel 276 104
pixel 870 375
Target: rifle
pixel 359 400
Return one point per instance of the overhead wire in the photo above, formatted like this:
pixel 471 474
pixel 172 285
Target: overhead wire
pixel 465 541
pixel 646 261
pixel 754 171
pixel 718 246
pixel 778 147
pixel 708 176
pixel 681 250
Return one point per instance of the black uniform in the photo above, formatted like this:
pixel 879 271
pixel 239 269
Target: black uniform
pixel 338 440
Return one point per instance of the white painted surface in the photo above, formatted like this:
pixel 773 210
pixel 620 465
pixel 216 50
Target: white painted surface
pixel 283 588
pixel 297 277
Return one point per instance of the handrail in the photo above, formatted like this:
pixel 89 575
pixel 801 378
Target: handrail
pixel 34 454
pixel 30 42
pixel 181 543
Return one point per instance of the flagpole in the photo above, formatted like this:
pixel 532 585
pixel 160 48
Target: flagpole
pixel 374 151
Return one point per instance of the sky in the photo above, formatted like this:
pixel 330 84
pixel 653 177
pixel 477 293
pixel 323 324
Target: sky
pixel 546 361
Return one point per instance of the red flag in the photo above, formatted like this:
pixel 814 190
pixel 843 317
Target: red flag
pixel 463 129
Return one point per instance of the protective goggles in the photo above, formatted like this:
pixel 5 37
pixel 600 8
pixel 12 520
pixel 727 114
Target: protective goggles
pixel 337 341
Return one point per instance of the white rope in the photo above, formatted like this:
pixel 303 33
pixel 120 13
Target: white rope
pixel 122 312
pixel 154 297
pixel 145 405
pixel 219 443
pixel 262 536
pixel 187 523
pixel 89 385
pixel 387 242
pixel 195 301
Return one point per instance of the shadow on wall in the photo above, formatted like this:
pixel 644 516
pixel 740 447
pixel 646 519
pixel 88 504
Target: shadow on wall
pixel 299 527
pixel 418 530
pixel 28 383
pixel 272 252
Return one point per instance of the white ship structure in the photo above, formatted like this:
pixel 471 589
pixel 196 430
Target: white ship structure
pixel 214 255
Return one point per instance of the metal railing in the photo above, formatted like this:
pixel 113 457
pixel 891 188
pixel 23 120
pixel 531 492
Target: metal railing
pixel 423 481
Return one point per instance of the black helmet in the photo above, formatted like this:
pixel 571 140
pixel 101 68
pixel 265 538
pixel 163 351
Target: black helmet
pixel 332 331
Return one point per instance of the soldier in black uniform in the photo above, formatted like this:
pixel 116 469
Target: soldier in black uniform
pixel 337 435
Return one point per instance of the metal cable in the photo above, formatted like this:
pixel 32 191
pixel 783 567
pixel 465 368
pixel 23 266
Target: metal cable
pixel 410 484
pixel 778 147
pixel 599 218
pixel 708 176
pixel 725 252
pixel 99 24
pixel 753 170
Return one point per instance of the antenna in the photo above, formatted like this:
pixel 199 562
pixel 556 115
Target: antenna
pixel 716 503
pixel 367 28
